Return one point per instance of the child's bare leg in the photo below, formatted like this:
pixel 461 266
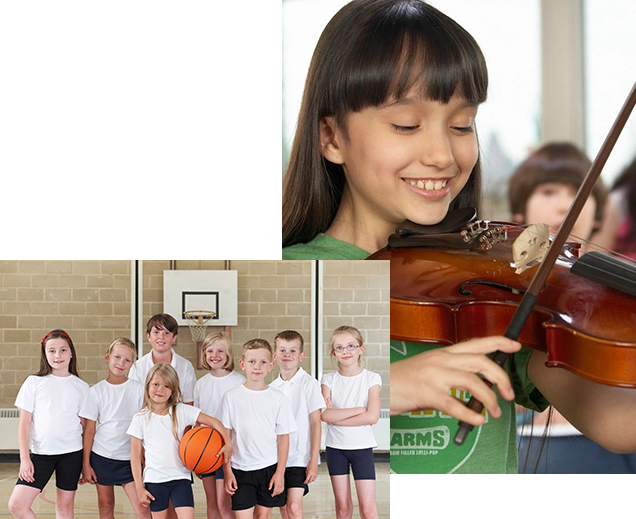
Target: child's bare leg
pixel 342 493
pixel 160 515
pixel 209 486
pixel 365 489
pixel 64 502
pixel 106 501
pixel 21 500
pixel 262 512
pixel 294 508
pixel 142 512
pixel 185 512
pixel 223 500
pixel 244 514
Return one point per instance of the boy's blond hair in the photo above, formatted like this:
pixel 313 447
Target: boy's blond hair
pixel 223 338
pixel 290 335
pixel 257 344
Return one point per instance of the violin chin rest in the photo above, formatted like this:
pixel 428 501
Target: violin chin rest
pixel 607 270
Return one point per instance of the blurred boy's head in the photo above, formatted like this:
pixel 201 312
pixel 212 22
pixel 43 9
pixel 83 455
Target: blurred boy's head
pixel 544 186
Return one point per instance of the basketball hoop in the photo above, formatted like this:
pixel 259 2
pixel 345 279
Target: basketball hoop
pixel 198 322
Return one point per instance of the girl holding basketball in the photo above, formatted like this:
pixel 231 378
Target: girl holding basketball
pixel 108 410
pixel 216 355
pixel 155 434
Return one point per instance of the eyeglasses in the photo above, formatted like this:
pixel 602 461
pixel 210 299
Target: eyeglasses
pixel 348 347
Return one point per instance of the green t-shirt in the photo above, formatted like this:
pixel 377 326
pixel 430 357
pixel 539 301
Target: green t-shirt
pixel 324 247
pixel 422 441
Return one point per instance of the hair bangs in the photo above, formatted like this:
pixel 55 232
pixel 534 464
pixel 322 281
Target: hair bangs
pixel 400 54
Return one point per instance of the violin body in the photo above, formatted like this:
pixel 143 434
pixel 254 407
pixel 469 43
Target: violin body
pixel 446 293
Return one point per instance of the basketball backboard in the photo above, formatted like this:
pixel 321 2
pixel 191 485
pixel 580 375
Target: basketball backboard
pixel 213 290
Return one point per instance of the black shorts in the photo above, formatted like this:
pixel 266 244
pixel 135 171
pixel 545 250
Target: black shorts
pixel 360 460
pixel 253 489
pixel 179 490
pixel 295 478
pixel 111 472
pixel 67 468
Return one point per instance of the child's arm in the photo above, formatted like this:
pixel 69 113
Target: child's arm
pixel 371 414
pixel 332 415
pixel 277 483
pixel 89 436
pixel 312 467
pixel 216 424
pixel 605 414
pixel 136 453
pixel 423 381
pixel 230 480
pixel 24 434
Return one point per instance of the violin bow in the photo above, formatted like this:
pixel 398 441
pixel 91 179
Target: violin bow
pixel 538 281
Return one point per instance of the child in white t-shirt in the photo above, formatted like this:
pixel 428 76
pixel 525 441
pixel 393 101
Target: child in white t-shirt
pixel 260 421
pixel 49 404
pixel 155 433
pixel 352 395
pixel 162 331
pixel 306 401
pixel 216 355
pixel 108 410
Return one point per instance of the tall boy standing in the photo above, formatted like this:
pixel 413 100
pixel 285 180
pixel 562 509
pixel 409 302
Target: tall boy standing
pixel 306 401
pixel 162 331
pixel 259 419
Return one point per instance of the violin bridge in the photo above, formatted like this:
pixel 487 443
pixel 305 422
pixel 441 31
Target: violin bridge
pixel 482 236
pixel 530 247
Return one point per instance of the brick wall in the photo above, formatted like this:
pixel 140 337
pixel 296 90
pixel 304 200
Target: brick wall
pixel 91 300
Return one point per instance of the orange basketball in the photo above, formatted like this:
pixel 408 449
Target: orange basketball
pixel 198 449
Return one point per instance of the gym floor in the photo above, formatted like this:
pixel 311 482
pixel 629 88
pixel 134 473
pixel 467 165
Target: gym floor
pixel 319 503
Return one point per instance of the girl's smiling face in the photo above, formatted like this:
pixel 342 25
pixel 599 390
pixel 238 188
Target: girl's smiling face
pixel 404 160
pixel 215 355
pixel 159 391
pixel 120 360
pixel 58 355
pixel 347 349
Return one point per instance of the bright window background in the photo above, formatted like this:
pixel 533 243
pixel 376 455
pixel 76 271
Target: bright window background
pixel 610 72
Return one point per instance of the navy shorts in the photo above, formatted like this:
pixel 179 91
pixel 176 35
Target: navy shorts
pixel 360 460
pixel 67 468
pixel 179 490
pixel 218 474
pixel 253 489
pixel 111 472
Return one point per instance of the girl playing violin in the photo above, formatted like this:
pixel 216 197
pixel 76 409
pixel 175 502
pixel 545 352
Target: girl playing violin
pixel 386 133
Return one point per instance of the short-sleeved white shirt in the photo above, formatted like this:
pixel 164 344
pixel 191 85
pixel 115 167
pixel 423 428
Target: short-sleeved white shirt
pixel 182 366
pixel 209 391
pixel 54 403
pixel 304 396
pixel 161 449
pixel 347 392
pixel 256 418
pixel 112 406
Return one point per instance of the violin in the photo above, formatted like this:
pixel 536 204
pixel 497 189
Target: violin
pixel 582 358
pixel 445 289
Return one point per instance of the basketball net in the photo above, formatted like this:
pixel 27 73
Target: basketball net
pixel 198 322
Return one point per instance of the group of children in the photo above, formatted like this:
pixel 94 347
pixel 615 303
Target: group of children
pixel 126 429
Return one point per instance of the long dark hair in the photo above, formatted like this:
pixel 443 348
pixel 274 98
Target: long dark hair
pixel 372 51
pixel 45 367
